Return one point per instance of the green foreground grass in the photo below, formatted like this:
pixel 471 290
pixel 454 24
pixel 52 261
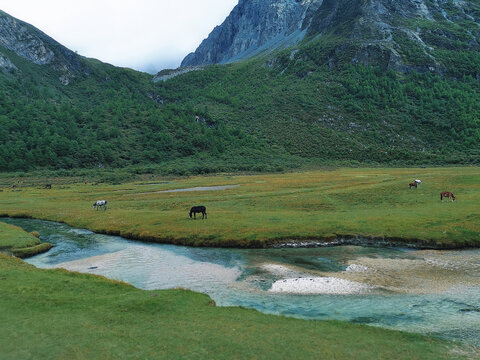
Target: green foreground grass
pixel 55 314
pixel 20 243
pixel 266 209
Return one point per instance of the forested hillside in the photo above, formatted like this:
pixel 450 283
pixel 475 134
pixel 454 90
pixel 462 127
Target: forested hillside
pixel 330 99
pixel 109 117
pixel 347 112
pixel 350 80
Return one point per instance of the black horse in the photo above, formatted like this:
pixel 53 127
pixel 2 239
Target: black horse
pixel 198 209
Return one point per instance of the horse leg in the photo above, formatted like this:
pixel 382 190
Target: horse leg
pixel 205 214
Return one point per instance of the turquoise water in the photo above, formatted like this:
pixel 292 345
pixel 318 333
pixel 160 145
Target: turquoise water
pixel 430 292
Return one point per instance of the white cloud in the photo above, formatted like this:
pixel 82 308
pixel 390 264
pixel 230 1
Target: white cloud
pixel 146 35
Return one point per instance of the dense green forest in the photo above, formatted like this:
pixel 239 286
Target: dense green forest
pixel 352 112
pixel 111 118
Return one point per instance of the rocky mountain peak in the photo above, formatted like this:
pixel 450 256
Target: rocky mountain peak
pixel 380 28
pixel 251 27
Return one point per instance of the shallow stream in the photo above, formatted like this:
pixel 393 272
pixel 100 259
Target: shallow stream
pixel 425 291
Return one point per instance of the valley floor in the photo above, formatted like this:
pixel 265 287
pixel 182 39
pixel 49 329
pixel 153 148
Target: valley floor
pixel 267 210
pixel 57 314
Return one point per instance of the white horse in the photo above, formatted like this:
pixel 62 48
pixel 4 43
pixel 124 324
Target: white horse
pixel 100 203
pixel 418 181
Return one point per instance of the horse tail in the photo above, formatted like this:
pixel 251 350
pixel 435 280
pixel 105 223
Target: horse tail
pixel 441 196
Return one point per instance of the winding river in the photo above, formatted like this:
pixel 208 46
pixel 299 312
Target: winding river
pixel 430 292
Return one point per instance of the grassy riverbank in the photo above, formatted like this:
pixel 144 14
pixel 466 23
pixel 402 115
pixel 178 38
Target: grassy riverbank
pixel 14 240
pixel 54 314
pixel 266 209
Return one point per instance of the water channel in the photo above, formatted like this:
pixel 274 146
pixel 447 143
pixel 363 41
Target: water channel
pixel 425 291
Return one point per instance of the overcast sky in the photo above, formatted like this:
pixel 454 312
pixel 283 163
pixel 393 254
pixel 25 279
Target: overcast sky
pixel 147 35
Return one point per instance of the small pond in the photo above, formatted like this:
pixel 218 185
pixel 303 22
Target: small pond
pixel 424 291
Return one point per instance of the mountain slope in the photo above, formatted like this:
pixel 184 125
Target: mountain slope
pixel 364 80
pixel 335 97
pixel 348 113
pixel 31 44
pixel 252 26
pixel 400 35
pixel 59 110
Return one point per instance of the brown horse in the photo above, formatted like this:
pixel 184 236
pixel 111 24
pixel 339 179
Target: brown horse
pixel 447 194
pixel 412 184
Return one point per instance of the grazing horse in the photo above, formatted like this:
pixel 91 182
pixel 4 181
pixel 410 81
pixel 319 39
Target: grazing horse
pixel 198 209
pixel 100 203
pixel 48 186
pixel 447 194
pixel 412 184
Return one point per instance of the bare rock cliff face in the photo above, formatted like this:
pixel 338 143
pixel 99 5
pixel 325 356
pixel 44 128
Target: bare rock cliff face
pixel 254 26
pixel 30 43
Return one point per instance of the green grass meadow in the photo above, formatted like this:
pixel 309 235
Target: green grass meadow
pixel 55 314
pixel 13 240
pixel 265 209
pixel 13 236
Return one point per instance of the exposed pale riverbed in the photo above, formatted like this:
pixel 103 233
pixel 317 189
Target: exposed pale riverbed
pixel 426 291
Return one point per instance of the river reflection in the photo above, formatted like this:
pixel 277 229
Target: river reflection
pixel 431 292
